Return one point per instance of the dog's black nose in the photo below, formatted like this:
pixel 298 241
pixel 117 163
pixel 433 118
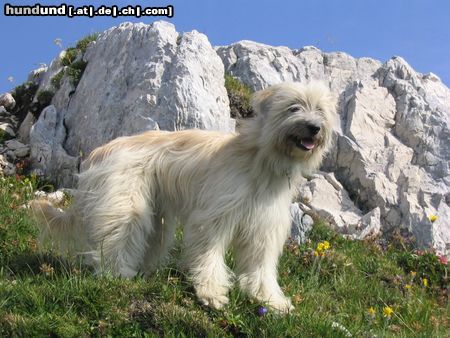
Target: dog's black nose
pixel 313 129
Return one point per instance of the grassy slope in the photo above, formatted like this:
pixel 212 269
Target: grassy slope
pixel 44 295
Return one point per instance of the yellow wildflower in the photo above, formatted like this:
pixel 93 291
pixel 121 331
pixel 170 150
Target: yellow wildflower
pixel 408 286
pixel 387 311
pixel 425 282
pixel 323 246
pixel 316 254
pixel 433 218
pixel 371 311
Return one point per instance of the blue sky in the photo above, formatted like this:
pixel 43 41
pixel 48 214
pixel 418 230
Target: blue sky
pixel 418 30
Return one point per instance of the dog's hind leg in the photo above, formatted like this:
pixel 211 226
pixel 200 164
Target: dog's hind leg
pixel 120 220
pixel 159 243
pixel 122 246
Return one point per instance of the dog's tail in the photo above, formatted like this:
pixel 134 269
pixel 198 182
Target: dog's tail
pixel 56 227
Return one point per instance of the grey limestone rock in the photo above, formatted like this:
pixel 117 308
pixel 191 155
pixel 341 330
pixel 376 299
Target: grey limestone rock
pixel 7 101
pixel 301 224
pixel 138 77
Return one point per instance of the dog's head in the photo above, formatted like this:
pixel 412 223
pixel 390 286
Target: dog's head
pixel 296 119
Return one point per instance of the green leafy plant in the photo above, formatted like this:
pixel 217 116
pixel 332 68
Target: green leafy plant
pixel 427 265
pixel 56 80
pixel 44 97
pixel 239 95
pixel 73 61
pixel 3 136
pixel 76 70
pixel 24 95
pixel 83 43
pixel 70 55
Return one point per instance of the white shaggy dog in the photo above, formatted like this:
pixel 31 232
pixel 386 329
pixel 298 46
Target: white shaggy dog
pixel 227 190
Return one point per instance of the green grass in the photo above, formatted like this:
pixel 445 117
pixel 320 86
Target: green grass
pixel 44 295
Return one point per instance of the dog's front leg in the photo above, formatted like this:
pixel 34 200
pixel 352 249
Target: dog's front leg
pixel 256 264
pixel 205 248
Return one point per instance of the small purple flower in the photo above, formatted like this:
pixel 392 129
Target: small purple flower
pixel 262 311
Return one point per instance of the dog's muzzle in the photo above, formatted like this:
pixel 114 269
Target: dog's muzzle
pixel 309 142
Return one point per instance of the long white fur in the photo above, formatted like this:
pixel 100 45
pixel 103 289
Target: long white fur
pixel 227 190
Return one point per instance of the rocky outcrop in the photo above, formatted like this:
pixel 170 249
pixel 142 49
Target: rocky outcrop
pixel 7 101
pixel 138 77
pixel 302 223
pixel 12 150
pixel 8 123
pixel 324 194
pixel 392 146
pixel 47 153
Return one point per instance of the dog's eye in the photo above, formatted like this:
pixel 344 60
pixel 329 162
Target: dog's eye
pixel 294 109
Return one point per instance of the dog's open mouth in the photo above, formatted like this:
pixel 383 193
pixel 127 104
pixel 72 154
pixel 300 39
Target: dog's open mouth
pixel 305 143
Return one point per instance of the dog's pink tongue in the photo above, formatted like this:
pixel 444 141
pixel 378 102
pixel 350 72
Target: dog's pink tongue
pixel 308 144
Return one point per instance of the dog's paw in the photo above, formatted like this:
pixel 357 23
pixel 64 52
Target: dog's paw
pixel 281 305
pixel 216 301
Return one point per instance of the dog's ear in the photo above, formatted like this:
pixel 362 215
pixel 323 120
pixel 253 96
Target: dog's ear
pixel 261 101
